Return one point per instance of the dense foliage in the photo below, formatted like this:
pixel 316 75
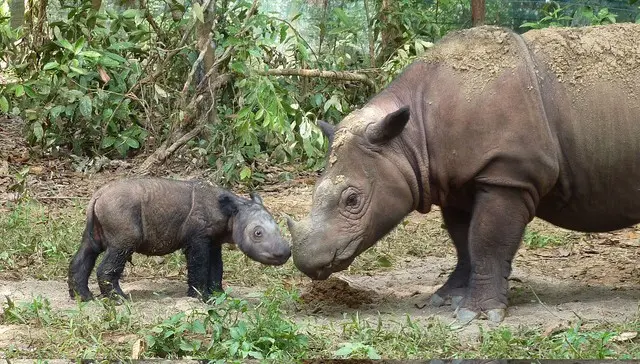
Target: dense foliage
pixel 118 79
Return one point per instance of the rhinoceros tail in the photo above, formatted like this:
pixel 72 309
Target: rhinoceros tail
pixel 85 258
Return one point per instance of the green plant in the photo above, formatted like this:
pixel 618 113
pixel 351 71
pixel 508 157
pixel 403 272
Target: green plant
pixel 534 239
pixel 228 329
pixel 76 93
pixel 554 16
pixel 354 350
pixel 37 311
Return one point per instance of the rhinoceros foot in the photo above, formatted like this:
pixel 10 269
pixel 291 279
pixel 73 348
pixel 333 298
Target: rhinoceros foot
pixel 465 315
pixel 446 296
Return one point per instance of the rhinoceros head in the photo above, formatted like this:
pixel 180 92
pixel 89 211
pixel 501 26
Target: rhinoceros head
pixel 362 194
pixel 254 230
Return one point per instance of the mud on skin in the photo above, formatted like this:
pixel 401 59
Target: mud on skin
pixel 495 128
pixel 156 216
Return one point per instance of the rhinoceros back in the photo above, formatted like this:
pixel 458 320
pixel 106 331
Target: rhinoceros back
pixel 590 83
pixel 145 213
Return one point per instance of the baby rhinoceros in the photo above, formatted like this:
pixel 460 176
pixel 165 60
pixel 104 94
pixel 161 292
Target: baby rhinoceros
pixel 156 216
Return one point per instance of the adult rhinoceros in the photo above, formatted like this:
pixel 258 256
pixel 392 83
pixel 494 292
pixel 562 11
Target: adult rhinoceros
pixel 495 128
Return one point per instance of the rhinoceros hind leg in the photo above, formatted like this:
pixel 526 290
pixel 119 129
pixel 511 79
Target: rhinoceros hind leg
pixel 80 268
pixel 457 223
pixel 110 270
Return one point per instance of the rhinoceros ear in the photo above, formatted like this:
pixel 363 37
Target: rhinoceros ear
pixel 256 198
pixel 327 129
pixel 389 127
pixel 228 205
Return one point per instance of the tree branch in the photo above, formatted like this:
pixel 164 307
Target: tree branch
pixel 336 75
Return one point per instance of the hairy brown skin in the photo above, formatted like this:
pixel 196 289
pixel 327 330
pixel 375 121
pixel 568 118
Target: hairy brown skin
pixel 155 216
pixel 494 128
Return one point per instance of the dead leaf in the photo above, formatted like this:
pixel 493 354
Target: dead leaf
pixel 554 328
pixel 625 336
pixel 138 348
pixel 36 170
pixel 103 75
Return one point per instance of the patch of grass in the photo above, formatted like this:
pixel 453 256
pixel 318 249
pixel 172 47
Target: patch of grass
pixel 228 329
pixel 39 241
pixel 533 239
pixel 576 342
pixel 89 331
pixel 370 338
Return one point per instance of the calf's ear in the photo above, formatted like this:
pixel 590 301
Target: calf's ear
pixel 388 128
pixel 327 129
pixel 256 198
pixel 228 205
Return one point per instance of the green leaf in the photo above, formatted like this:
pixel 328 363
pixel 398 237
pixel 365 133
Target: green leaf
pixel 78 70
pixel 130 13
pixel 51 65
pixel 384 261
pixel 106 143
pixel 91 54
pixel 29 91
pixel 245 173
pixel 132 143
pixel 373 354
pixel 85 106
pixel 198 327
pixel 344 351
pixel 19 90
pixel 56 111
pixel 185 346
pixel 38 131
pixel 4 104
pixel 63 42
pixel 198 12
pixel 77 47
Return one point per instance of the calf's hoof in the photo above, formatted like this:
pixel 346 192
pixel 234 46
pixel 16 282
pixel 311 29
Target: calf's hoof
pixel 86 297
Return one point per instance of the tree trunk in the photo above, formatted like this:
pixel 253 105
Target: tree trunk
pixel 370 35
pixel 203 34
pixel 17 13
pixel 323 25
pixel 477 12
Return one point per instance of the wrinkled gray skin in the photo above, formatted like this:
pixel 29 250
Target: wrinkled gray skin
pixel 154 216
pixel 526 145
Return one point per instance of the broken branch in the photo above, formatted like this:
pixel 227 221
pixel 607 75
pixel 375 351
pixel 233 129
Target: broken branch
pixel 336 75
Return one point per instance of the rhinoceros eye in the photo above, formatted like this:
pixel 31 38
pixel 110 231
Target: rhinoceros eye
pixel 352 200
pixel 258 232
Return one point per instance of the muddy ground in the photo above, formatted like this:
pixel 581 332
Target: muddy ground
pixel 593 277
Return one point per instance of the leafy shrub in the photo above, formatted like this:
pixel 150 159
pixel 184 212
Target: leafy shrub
pixel 228 330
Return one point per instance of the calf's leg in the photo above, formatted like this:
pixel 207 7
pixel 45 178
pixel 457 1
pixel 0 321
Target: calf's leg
pixel 110 270
pixel 197 252
pixel 81 266
pixel 214 283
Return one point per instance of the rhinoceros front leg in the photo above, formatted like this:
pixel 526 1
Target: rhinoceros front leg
pixel 198 255
pixel 214 283
pixel 457 223
pixel 500 215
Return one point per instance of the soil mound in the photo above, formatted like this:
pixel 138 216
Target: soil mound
pixel 336 292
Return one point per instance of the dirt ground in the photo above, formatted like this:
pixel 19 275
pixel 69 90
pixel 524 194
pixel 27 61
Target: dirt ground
pixel 595 278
